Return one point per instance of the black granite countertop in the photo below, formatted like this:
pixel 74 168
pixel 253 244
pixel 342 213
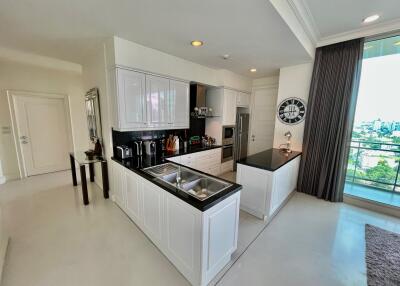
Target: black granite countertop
pixel 138 164
pixel 270 160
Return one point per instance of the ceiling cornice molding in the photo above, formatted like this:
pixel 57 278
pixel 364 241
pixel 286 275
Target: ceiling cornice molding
pixel 306 19
pixel 367 31
pixel 38 60
pixel 290 14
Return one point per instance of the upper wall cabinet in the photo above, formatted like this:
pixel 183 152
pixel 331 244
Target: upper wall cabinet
pixel 229 107
pixel 224 102
pixel 179 104
pixel 243 99
pixel 130 100
pixel 157 94
pixel 147 102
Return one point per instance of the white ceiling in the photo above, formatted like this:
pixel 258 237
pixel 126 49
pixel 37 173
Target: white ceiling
pixel 250 31
pixel 331 17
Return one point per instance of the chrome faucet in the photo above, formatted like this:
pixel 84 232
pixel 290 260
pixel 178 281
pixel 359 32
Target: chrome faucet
pixel 178 177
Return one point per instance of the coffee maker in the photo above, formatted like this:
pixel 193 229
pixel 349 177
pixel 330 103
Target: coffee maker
pixel 138 148
pixel 150 147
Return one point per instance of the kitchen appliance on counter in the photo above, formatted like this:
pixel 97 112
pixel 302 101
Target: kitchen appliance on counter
pixel 150 147
pixel 138 148
pixel 160 145
pixel 241 137
pixel 123 152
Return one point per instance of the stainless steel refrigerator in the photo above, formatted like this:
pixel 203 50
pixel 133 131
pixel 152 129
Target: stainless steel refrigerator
pixel 241 137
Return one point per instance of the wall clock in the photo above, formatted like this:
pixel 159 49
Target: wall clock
pixel 291 110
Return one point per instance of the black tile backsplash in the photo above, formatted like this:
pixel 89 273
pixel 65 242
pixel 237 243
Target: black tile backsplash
pixel 126 137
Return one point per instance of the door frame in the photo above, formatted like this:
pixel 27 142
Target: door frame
pixel 252 103
pixel 11 96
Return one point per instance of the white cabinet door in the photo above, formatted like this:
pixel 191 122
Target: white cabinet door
pixel 281 186
pixel 229 107
pixel 220 235
pixel 294 173
pixel 131 100
pixel 183 236
pixel 133 196
pixel 152 206
pixel 118 184
pixel 243 99
pixel 157 93
pixel 179 104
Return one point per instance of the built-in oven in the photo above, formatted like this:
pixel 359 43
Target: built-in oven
pixel 227 153
pixel 228 134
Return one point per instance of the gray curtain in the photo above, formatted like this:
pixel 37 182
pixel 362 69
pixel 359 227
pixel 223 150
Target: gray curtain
pixel 329 119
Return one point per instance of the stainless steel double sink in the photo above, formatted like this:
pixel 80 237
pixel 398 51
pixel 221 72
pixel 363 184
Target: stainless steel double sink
pixel 191 182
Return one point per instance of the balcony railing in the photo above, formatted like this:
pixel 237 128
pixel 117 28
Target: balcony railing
pixel 374 164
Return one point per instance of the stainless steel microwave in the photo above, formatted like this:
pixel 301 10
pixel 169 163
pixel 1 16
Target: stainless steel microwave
pixel 228 134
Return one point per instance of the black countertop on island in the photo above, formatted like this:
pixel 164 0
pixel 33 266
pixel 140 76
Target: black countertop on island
pixel 138 164
pixel 270 160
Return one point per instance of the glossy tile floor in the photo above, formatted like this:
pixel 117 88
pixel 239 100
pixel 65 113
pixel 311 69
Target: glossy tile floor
pixel 55 240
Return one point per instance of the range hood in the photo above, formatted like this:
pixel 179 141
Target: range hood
pixel 198 95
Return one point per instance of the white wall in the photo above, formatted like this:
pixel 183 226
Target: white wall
pixel 19 76
pixel 265 82
pixel 95 75
pixel 294 81
pixel 126 53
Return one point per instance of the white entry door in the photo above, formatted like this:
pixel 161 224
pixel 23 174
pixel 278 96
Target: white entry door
pixel 43 133
pixel 262 119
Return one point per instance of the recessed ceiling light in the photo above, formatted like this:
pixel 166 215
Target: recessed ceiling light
pixel 397 43
pixel 226 56
pixel 371 18
pixel 197 43
pixel 253 70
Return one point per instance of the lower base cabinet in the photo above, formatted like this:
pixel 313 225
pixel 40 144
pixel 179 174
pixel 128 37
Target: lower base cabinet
pixel 264 191
pixel 198 243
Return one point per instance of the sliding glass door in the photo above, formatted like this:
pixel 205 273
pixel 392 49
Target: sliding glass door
pixel 374 160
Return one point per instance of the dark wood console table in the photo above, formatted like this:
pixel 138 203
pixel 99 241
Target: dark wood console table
pixel 82 160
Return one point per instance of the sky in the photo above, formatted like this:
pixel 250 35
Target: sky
pixel 379 92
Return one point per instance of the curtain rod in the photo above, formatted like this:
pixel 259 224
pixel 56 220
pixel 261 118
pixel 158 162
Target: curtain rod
pixel 382 36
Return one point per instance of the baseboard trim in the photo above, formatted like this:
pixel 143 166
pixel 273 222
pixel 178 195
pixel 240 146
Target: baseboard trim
pixel 372 205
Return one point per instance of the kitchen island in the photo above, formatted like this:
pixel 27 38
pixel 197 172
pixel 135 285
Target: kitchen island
pixel 268 178
pixel 197 235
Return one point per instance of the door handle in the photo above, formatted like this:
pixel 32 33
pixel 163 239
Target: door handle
pixel 24 142
pixel 23 137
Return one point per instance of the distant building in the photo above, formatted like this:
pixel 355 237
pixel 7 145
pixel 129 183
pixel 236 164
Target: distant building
pixel 377 124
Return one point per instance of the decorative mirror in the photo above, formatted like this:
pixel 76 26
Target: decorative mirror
pixel 92 105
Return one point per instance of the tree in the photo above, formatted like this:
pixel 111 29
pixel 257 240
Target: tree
pixel 381 172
